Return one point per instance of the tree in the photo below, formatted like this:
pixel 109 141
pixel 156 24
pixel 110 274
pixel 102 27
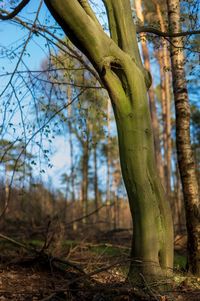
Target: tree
pixel 184 149
pixel 117 61
pixel 195 124
pixel 119 66
pixel 152 102
pixel 15 162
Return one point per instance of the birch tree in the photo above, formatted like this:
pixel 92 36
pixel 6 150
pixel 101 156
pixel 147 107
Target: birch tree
pixel 184 149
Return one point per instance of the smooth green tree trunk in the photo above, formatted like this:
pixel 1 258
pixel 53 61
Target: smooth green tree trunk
pixel 152 225
pixel 118 63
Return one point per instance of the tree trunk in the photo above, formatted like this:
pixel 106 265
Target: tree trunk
pixel 96 189
pixel 7 188
pixel 108 184
pixel 149 208
pixel 183 143
pixel 119 65
pixel 179 212
pixel 154 117
pixel 69 98
pixel 165 64
pixel 85 161
pixel 116 175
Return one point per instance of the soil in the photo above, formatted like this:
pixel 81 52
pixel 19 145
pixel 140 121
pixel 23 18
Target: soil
pixel 94 275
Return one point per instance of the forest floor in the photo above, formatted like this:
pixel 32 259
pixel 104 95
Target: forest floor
pixel 92 267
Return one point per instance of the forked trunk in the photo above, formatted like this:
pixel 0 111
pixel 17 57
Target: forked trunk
pixel 118 63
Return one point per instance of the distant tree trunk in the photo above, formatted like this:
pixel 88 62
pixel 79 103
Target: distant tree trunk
pixel 179 212
pixel 165 64
pixel 96 189
pixel 69 97
pixel 116 203
pixel 115 221
pixel 85 161
pixel 7 188
pixel 184 149
pixel 165 136
pixel 108 192
pixel 154 117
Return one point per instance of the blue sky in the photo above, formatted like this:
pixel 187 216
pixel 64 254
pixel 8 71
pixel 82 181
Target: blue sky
pixel 12 36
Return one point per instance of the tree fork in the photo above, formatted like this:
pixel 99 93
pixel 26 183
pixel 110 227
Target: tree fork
pixel 120 68
pixel 122 73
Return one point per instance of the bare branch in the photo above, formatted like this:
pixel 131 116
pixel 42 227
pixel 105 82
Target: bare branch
pixel 158 32
pixel 15 11
pixel 23 50
pixel 42 253
pixel 41 30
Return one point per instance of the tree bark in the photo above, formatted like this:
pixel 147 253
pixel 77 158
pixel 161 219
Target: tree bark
pixel 108 186
pixel 85 161
pixel 154 117
pixel 119 65
pixel 69 94
pixel 183 143
pixel 96 189
pixel 165 64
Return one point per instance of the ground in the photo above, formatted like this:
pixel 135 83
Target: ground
pixel 92 269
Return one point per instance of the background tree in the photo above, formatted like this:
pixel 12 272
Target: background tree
pixel 183 142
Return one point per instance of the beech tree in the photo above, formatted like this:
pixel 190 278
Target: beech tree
pixel 117 61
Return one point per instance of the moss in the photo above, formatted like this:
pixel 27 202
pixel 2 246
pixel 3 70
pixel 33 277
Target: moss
pixel 180 261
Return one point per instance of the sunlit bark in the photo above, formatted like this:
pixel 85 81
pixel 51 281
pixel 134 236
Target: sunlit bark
pixel 69 97
pixel 184 149
pixel 96 188
pixel 154 117
pixel 119 65
pixel 108 157
pixel 166 94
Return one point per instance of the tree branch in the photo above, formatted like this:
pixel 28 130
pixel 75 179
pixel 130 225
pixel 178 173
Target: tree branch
pixel 85 5
pixel 41 253
pixel 147 29
pixel 122 27
pixel 80 28
pixel 15 11
pixel 40 30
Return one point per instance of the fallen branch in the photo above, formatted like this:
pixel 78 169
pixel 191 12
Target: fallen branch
pixel 42 254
